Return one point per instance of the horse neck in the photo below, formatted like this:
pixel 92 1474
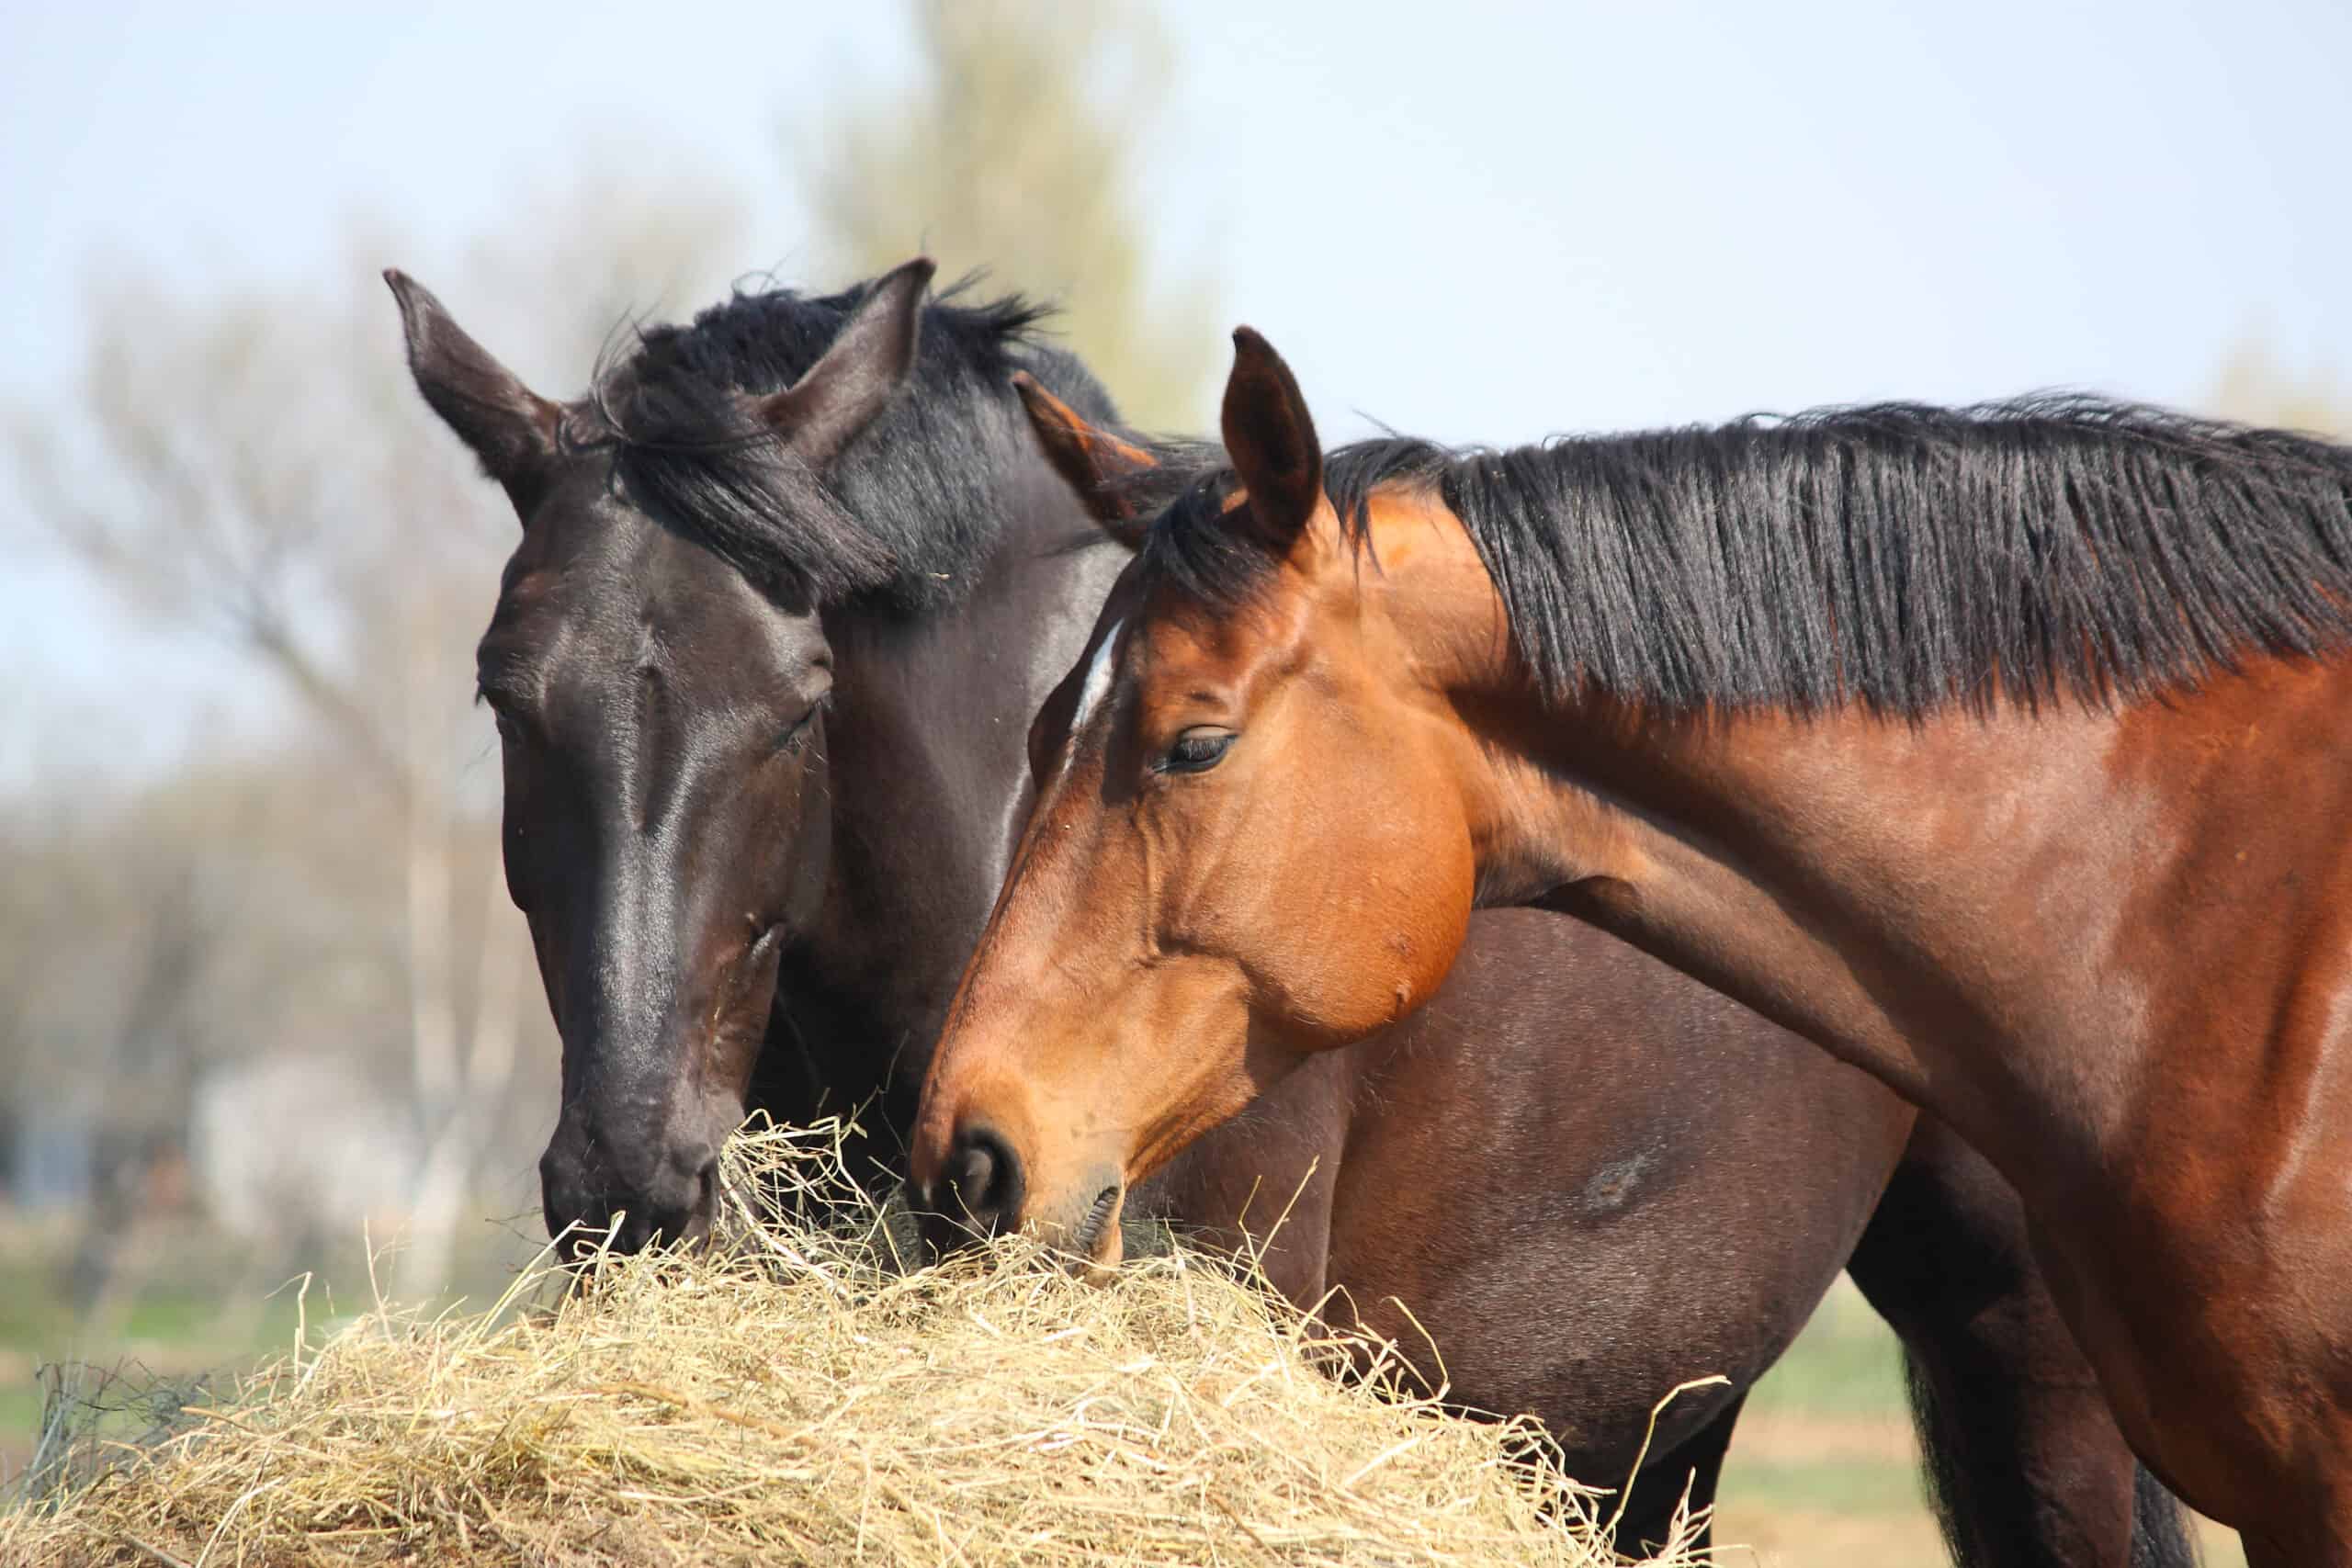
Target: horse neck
pixel 1983 910
pixel 1835 873
pixel 929 774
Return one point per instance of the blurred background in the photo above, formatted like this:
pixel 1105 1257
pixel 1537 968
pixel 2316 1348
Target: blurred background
pixel 263 1001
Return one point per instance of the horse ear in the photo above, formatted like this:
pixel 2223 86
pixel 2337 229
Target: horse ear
pixel 509 427
pixel 858 375
pixel 1271 439
pixel 1095 462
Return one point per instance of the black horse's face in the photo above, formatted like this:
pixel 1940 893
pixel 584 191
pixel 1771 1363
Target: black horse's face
pixel 661 724
pixel 662 734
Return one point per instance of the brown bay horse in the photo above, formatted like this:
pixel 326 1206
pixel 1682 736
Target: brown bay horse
pixel 2004 751
pixel 791 585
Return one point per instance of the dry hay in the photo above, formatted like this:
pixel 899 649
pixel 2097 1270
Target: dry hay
pixel 785 1397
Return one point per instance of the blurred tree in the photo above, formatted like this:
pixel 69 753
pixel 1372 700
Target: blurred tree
pixel 256 468
pixel 260 468
pixel 1020 151
pixel 2255 387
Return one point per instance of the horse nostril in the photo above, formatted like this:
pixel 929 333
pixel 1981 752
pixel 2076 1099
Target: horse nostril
pixel 983 1181
pixel 975 1173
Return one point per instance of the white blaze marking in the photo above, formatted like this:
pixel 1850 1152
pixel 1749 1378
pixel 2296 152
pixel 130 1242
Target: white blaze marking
pixel 1098 677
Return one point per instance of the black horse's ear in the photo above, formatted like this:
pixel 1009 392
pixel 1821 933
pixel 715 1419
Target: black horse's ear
pixel 1096 463
pixel 859 373
pixel 510 428
pixel 1271 439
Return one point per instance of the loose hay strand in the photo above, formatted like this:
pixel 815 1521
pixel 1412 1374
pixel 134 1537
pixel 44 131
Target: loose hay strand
pixel 788 1395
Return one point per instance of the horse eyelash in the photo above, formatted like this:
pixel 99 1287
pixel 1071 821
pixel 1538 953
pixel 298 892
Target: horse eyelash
pixel 797 736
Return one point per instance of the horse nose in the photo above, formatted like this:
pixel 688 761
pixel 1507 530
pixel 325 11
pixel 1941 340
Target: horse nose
pixel 573 1214
pixel 674 1201
pixel 981 1185
pixel 675 1204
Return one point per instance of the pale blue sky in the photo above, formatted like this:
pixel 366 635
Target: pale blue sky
pixel 1519 220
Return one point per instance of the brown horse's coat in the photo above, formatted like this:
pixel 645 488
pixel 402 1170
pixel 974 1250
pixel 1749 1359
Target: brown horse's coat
pixel 2108 944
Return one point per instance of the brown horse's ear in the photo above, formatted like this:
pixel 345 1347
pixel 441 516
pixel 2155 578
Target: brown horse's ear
pixel 858 375
pixel 510 428
pixel 1095 463
pixel 1271 439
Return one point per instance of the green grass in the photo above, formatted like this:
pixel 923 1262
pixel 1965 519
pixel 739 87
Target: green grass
pixel 1823 1430
pixel 20 1401
pixel 1830 1487
pixel 185 1304
pixel 1847 1362
pixel 1815 1447
pixel 162 1336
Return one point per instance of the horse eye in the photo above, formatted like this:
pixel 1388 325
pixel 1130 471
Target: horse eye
pixel 1197 750
pixel 797 735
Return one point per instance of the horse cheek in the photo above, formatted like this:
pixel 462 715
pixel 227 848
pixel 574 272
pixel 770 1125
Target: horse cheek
pixel 1414 928
pixel 1437 922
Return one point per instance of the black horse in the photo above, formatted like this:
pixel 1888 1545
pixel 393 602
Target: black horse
pixel 792 582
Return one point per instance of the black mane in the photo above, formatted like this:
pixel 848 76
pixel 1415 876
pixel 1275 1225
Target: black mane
pixel 908 510
pixel 1902 557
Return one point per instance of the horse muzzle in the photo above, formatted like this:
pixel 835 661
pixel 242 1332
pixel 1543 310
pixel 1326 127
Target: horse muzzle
pixel 983 1188
pixel 596 1193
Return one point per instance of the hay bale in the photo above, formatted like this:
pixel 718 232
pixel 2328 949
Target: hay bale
pixel 788 1396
